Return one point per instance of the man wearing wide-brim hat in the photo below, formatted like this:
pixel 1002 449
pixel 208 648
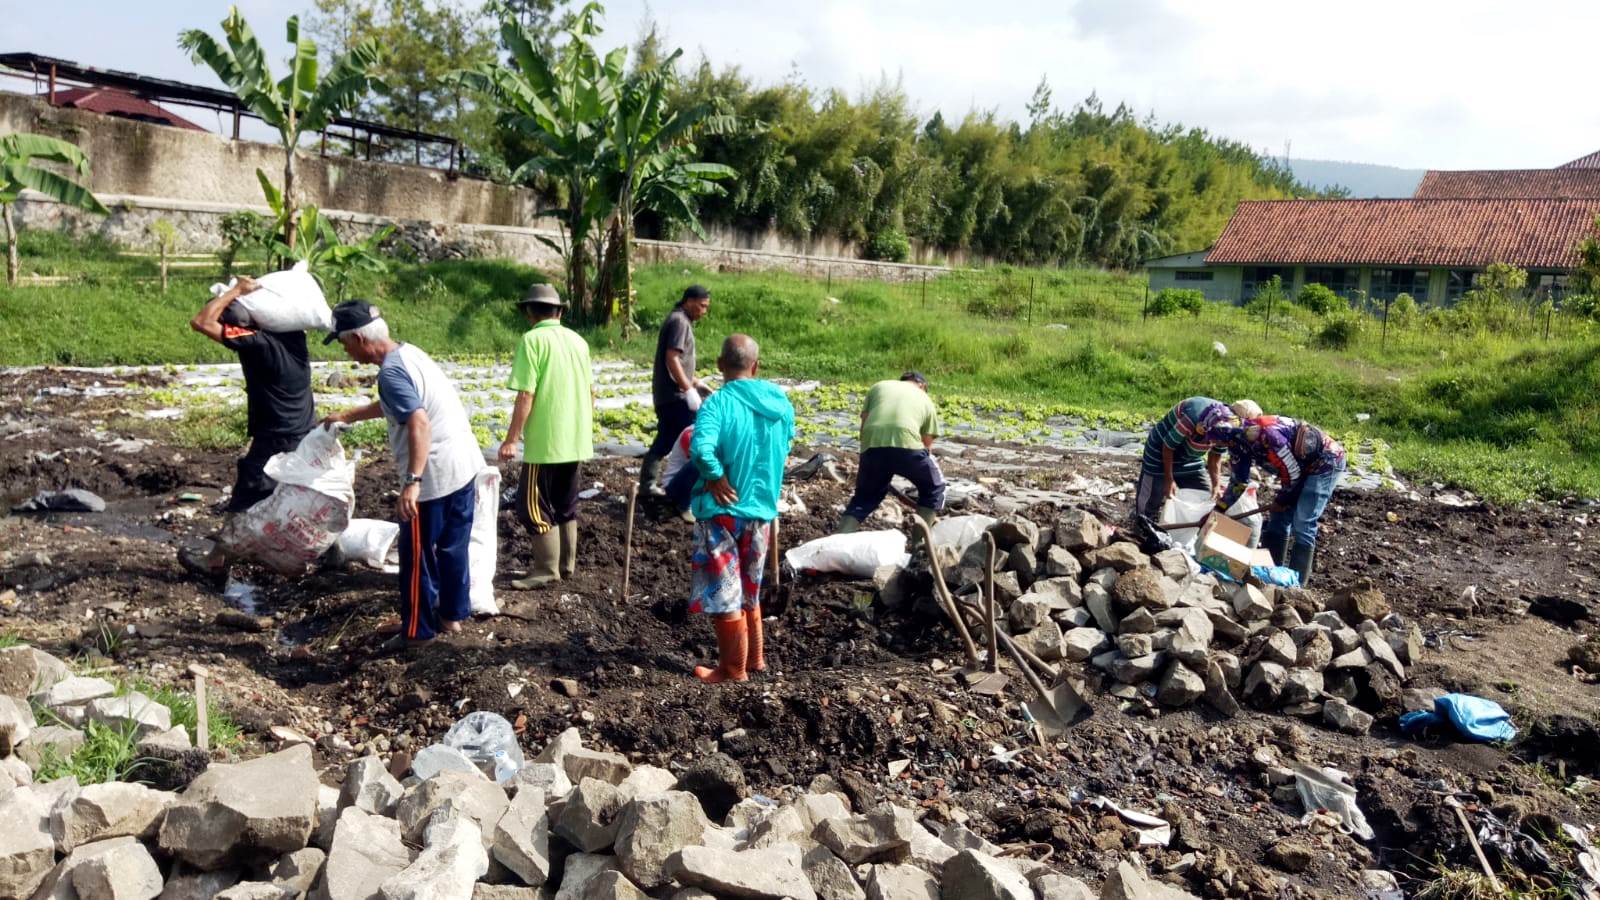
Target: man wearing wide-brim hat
pixel 553 418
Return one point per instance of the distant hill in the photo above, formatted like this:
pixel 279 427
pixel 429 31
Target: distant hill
pixel 1363 179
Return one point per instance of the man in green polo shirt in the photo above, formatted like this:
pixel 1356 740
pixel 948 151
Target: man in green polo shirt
pixel 553 418
pixel 898 426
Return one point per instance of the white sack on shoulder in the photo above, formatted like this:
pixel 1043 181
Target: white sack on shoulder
pixel 290 300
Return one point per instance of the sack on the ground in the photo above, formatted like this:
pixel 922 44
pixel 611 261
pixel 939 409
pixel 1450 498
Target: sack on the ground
pixel 372 542
pixel 485 543
pixel 959 533
pixel 306 512
pixel 857 554
pixel 1189 505
pixel 290 300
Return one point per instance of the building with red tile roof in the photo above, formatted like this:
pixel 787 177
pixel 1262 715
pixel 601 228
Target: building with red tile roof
pixel 1498 184
pixel 122 105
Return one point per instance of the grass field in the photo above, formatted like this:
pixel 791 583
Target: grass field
pixel 1507 415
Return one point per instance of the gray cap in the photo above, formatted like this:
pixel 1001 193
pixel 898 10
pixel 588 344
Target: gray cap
pixel 543 295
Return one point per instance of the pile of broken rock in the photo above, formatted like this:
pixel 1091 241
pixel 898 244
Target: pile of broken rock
pixel 575 824
pixel 1158 631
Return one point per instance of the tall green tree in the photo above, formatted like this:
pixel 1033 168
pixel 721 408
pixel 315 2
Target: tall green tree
pixel 23 164
pixel 302 101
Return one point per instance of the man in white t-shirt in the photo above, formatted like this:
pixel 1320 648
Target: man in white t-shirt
pixel 438 459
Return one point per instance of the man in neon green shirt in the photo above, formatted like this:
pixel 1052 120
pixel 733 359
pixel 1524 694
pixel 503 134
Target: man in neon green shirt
pixel 898 425
pixel 553 417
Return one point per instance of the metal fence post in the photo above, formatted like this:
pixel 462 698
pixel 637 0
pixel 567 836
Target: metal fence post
pixel 1144 312
pixel 1383 342
pixel 1030 299
pixel 924 290
pixel 830 280
pixel 1266 322
pixel 1548 315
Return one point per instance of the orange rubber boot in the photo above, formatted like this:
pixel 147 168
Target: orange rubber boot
pixel 755 659
pixel 732 645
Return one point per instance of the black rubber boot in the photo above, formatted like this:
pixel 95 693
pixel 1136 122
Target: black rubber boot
pixel 847 525
pixel 649 471
pixel 1279 550
pixel 1303 559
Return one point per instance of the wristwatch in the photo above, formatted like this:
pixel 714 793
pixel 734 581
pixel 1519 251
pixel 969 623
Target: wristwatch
pixel 410 479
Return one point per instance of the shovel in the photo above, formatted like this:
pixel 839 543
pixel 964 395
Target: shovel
pixel 1059 705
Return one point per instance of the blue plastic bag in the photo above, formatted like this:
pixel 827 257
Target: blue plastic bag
pixel 1473 717
pixel 1282 576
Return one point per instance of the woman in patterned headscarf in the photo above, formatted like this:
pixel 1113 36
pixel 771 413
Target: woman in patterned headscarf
pixel 1308 463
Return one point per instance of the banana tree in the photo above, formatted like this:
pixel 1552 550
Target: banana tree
pixel 19 157
pixel 317 243
pixel 302 101
pixel 650 149
pixel 563 108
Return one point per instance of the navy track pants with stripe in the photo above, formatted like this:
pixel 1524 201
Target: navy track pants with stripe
pixel 434 579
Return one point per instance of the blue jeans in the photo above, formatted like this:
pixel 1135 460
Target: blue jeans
pixel 1302 518
pixel 680 487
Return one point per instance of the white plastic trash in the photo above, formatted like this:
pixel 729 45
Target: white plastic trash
pixel 489 741
pixel 857 554
pixel 436 758
pixel 1190 505
pixel 290 300
pixel 961 532
pixel 306 512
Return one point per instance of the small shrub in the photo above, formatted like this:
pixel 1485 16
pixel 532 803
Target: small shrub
pixel 1319 298
pixel 888 245
pixel 1268 297
pixel 1171 301
pixel 241 229
pixel 1402 311
pixel 1585 306
pixel 1340 330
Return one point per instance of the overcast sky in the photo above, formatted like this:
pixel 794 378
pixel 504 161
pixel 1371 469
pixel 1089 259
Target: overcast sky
pixel 1414 83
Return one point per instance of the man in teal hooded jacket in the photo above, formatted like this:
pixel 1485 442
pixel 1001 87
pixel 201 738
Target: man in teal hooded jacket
pixel 740 445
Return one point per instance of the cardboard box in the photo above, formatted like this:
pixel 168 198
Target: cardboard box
pixel 1224 545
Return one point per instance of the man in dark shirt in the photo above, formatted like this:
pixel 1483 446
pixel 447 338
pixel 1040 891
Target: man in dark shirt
pixel 277 385
pixel 674 389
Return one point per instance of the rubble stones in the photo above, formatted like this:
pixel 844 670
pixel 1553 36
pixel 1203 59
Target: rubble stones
pixel 1290 856
pixel 1133 645
pixel 18 671
pixel 1006 588
pixel 366 851
pixel 1250 604
pixel 901 882
pixel 199 885
pixel 1078 531
pixel 470 794
pixel 1359 602
pixel 1279 648
pixel 646 780
pixel 547 777
pixel 453 861
pixel 1044 642
pixel 971 875
pixel 1172 563
pixel 1140 621
pixel 26 847
pixel 1121 556
pixel 16 723
pixel 131 710
pixel 1264 684
pixel 521 839
pixel 1301 686
pixel 1191 641
pixel 1060 563
pixel 580 869
pixel 651 829
pixel 1012 531
pixel 1217 690
pixel 1407 644
pixel 770 874
pixel 1098 601
pixel 1419 699
pixel 1129 883
pixel 100 811
pixel 1180 686
pixel 125 871
pixel 267 804
pixel 1028 612
pixel 882 833
pixel 1024 563
pixel 829 876
pixel 1378 645
pixel 254 890
pixel 1358 658
pixel 1316 652
pixel 1345 640
pixel 1137 670
pixel 718 781
pixel 369 787
pixel 63 742
pixel 588 820
pixel 580 762
pixel 611 885
pixel 1060 592
pixel 1140 588
pixel 1346 718
pixel 1056 886
pixel 298 871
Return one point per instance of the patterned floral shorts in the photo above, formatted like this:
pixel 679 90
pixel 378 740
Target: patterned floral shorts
pixel 729 558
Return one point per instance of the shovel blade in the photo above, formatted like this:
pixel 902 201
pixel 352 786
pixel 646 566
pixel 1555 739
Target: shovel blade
pixel 1057 709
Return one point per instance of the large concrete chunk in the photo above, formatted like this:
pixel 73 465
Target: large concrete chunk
pixel 770 874
pixel 124 872
pixel 297 872
pixel 1129 883
pixel 57 741
pixel 1121 556
pixel 651 829
pixel 199 885
pixel 901 882
pixel 612 885
pixel 1043 642
pixel 1056 886
pixel 18 671
pixel 369 787
pixel 883 833
pixel 580 762
pixel 971 875
pixel 829 876
pixel 132 710
pixel 588 818
pixel 447 869
pixel 113 809
pixel 58 884
pixel 522 837
pixel 263 806
pixel 74 691
pixel 1181 686
pixel 579 870
pixel 16 723
pixel 26 847
pixel 1078 531
pixel 467 793
pixel 367 851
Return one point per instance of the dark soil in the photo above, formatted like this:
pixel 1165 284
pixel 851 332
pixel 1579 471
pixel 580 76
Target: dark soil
pixel 850 689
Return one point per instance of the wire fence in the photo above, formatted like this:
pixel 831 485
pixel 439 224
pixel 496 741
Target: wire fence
pixel 1040 298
